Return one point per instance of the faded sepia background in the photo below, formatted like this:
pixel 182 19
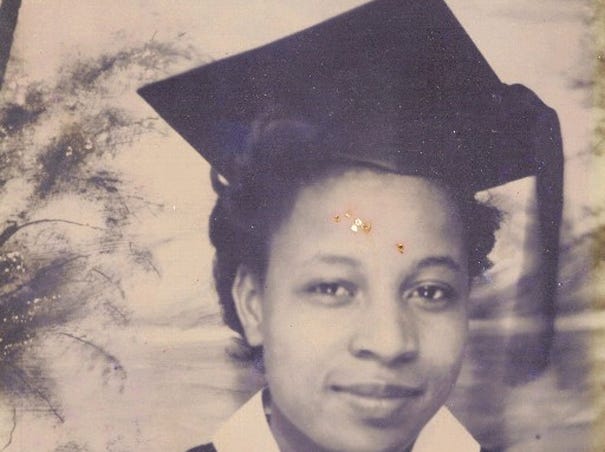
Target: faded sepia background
pixel 110 332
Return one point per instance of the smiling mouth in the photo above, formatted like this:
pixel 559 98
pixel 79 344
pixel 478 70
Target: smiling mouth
pixel 380 404
pixel 379 390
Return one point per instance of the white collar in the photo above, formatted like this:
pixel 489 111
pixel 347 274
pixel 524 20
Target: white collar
pixel 445 432
pixel 249 430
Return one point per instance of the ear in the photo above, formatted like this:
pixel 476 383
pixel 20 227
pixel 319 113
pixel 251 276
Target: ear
pixel 246 293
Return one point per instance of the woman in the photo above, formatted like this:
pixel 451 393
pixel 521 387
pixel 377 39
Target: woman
pixel 345 159
pixel 357 293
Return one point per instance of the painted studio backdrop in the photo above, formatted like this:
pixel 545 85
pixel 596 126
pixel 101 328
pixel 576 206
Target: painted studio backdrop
pixel 110 331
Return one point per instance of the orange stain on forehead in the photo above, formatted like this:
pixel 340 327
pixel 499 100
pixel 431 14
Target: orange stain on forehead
pixel 356 225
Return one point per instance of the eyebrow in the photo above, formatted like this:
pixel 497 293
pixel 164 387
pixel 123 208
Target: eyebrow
pixel 439 261
pixel 337 259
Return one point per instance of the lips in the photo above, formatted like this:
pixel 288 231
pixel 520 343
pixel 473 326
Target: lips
pixel 379 390
pixel 379 403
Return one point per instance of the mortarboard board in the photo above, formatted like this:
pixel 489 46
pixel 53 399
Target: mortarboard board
pixel 394 83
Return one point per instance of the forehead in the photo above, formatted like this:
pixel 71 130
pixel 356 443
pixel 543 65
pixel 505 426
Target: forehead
pixel 362 209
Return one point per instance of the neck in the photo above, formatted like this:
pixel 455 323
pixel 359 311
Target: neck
pixel 287 436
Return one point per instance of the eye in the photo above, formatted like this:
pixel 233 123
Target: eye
pixel 333 292
pixel 432 295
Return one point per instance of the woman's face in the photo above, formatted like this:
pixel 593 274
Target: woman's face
pixel 363 324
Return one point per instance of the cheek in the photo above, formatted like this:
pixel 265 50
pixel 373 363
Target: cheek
pixel 299 349
pixel 444 341
pixel 302 344
pixel 300 334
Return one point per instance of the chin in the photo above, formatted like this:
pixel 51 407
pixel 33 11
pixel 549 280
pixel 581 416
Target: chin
pixel 365 439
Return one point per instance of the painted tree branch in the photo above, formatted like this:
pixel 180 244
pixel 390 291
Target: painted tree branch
pixel 113 360
pixel 38 393
pixel 14 228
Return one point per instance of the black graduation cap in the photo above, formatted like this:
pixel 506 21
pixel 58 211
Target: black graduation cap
pixel 394 83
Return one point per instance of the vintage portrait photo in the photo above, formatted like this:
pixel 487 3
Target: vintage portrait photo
pixel 270 225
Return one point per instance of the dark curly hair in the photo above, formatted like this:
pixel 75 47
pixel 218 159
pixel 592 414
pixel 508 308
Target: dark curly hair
pixel 247 212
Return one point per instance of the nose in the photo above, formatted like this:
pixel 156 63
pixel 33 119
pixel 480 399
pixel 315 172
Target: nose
pixel 386 334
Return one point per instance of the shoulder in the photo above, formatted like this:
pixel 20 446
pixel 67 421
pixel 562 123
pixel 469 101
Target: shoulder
pixel 204 448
